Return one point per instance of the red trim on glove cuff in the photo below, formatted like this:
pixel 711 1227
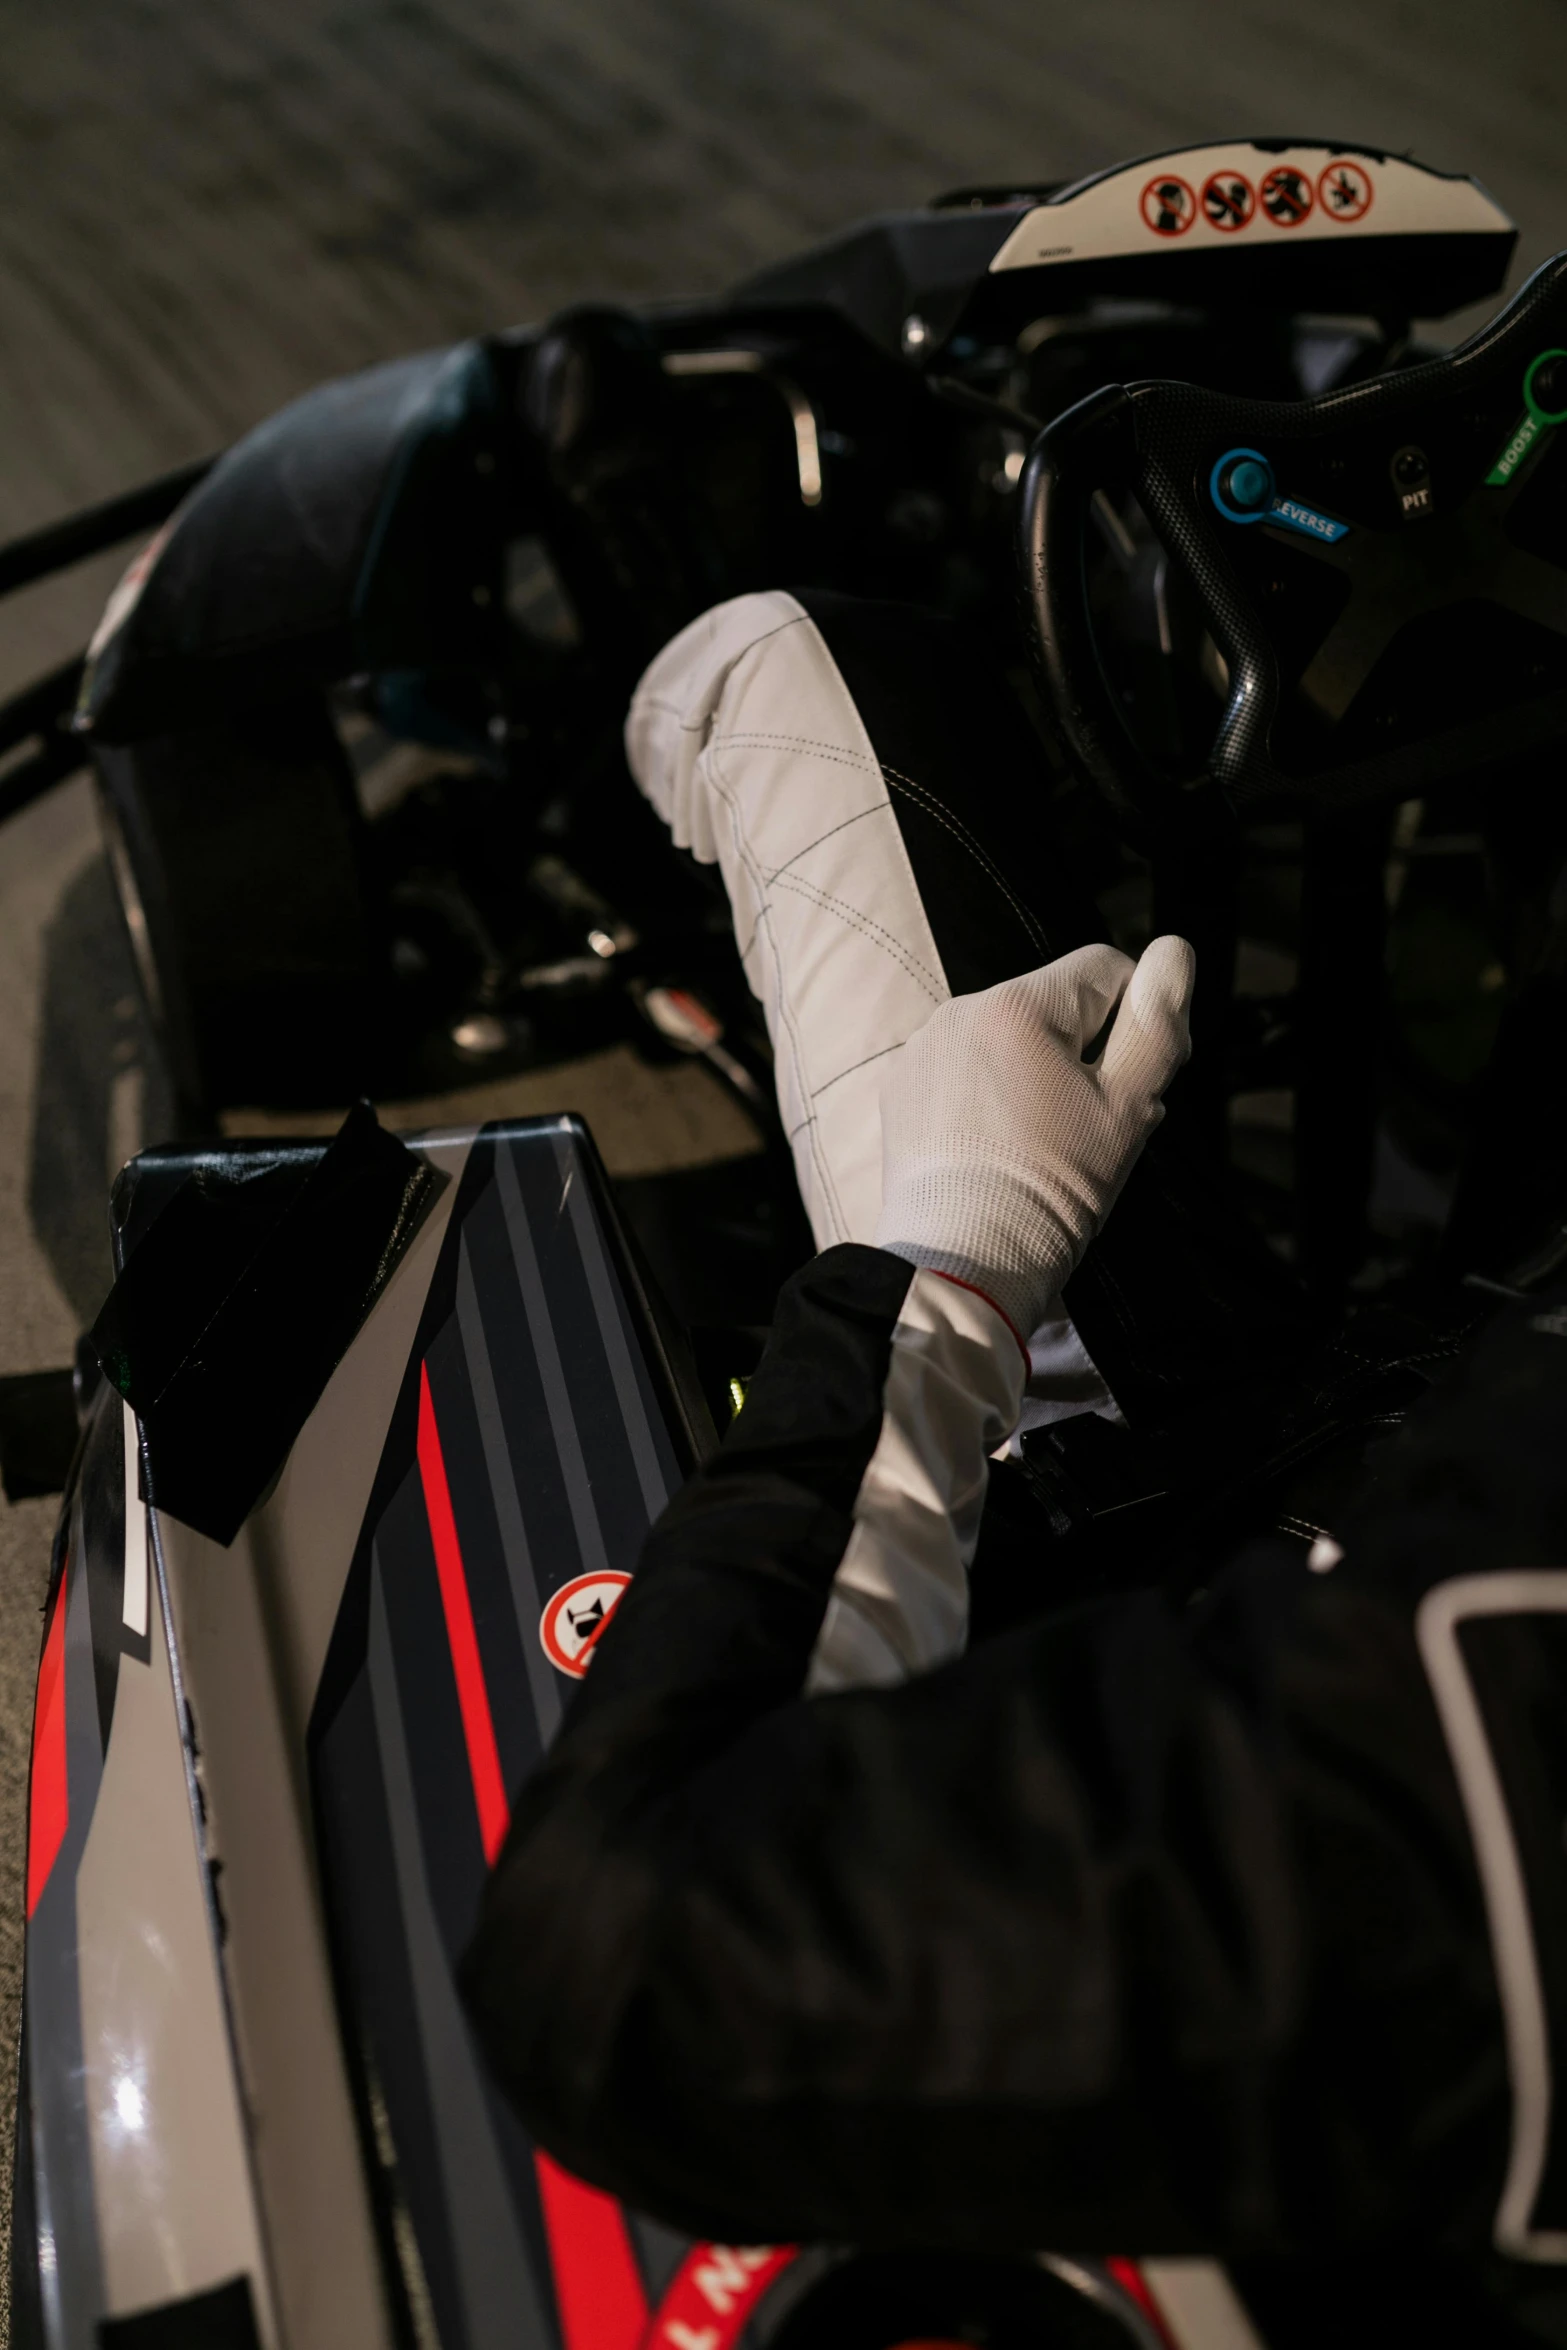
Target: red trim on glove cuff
pixel 974 1290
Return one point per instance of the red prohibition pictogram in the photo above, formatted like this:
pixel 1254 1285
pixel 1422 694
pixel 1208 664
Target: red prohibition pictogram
pixel 575 1616
pixel 1168 206
pixel 1286 196
pixel 1228 201
pixel 1344 191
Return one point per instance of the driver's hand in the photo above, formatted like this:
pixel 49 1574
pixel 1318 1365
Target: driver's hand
pixel 1003 1147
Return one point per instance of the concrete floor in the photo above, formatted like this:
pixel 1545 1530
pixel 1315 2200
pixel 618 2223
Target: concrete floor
pixel 203 211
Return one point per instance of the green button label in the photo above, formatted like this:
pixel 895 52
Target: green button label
pixel 1529 431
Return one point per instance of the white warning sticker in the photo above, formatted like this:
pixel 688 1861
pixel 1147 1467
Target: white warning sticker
pixel 575 1616
pixel 1241 196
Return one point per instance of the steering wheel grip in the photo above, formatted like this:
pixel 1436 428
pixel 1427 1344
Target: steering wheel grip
pixel 1092 443
pixel 1092 447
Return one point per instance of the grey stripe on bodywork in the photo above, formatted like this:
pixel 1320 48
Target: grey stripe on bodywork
pixel 655 1474
pixel 552 1376
pixel 499 2300
pixel 526 1595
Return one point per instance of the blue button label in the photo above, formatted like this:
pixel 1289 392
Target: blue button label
pixel 1294 516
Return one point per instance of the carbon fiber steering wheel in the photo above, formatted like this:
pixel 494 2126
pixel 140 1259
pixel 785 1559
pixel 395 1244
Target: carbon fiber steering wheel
pixel 1383 570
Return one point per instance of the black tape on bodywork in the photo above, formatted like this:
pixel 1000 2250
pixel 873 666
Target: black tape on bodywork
pixel 222 2318
pixel 236 1307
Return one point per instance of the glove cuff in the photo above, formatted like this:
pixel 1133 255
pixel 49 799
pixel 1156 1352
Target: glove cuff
pixel 994 1228
pixel 986 1299
pixel 1015 1300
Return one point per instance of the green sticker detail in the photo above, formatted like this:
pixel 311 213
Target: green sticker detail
pixel 1529 430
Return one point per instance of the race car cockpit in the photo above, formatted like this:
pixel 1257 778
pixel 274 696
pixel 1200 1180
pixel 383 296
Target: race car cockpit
pixel 372 1429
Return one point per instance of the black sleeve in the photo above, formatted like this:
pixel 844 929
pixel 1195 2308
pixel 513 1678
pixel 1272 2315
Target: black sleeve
pixel 1139 1927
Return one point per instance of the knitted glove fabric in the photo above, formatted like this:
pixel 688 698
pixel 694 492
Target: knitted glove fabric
pixel 1003 1146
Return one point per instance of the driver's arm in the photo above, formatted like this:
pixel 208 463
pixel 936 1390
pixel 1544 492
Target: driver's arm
pixel 1118 1931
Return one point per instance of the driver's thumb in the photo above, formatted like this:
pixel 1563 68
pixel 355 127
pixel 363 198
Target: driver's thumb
pixel 1152 1034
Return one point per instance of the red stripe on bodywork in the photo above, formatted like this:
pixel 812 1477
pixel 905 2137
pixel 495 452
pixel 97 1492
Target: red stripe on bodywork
pixel 473 1698
pixel 713 2295
pixel 598 2286
pixel 1134 2285
pixel 49 1794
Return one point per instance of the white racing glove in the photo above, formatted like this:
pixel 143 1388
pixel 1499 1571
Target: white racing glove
pixel 1004 1147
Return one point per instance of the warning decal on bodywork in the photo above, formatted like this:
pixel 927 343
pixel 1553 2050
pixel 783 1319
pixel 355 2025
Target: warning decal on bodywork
pixel 1248 196
pixel 576 1616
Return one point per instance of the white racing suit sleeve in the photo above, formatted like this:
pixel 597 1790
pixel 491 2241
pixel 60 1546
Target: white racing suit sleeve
pixel 744 737
pixel 954 1387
